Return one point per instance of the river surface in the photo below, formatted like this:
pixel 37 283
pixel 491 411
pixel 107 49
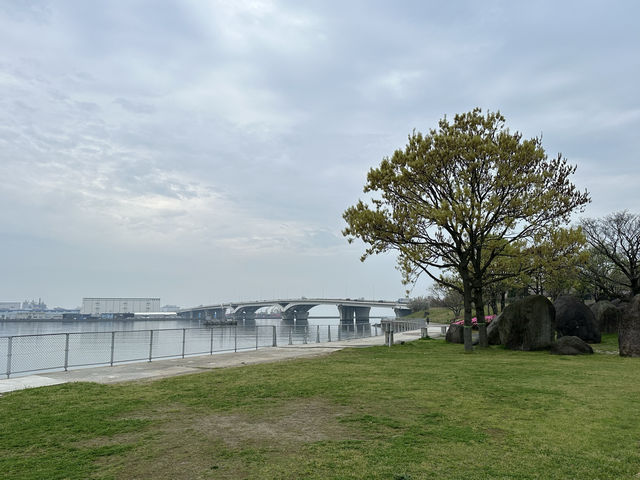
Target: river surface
pixel 39 346
pixel 28 327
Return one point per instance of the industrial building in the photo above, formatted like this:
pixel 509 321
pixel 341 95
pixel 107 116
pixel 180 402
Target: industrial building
pixel 99 306
pixel 6 306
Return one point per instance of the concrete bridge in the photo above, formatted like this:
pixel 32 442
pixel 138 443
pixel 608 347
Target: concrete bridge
pixel 295 309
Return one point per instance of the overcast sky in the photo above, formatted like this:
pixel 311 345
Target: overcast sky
pixel 204 151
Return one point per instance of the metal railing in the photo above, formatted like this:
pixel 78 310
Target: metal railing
pixel 24 354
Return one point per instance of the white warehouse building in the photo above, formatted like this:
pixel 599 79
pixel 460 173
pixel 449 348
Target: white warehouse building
pixel 97 306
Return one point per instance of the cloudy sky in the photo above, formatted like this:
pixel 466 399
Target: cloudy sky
pixel 204 151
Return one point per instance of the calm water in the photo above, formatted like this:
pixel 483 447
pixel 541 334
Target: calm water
pixel 25 327
pixel 30 346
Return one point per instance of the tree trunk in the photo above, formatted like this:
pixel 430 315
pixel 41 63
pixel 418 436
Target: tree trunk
pixel 503 300
pixel 483 340
pixel 468 341
pixel 494 304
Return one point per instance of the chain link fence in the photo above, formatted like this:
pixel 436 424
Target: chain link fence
pixel 24 354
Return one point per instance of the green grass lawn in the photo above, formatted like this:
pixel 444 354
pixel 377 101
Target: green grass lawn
pixel 440 314
pixel 435 314
pixel 420 410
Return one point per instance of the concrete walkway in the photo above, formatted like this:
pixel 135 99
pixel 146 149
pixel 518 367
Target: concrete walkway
pixel 180 366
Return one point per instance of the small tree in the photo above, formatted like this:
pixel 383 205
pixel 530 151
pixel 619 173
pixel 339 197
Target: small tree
pixel 447 297
pixel 458 197
pixel 419 303
pixel 614 267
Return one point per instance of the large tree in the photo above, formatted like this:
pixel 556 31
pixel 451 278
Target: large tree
pixel 458 198
pixel 615 246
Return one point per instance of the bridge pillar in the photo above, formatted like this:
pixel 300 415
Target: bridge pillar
pixel 295 314
pixel 362 314
pixel 217 314
pixel 248 313
pixel 287 315
pixel 402 312
pixel 347 314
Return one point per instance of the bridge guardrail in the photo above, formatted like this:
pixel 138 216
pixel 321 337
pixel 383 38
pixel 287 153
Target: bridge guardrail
pixel 25 354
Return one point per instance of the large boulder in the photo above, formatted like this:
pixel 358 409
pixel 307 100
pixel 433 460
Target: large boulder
pixel 455 333
pixel 493 332
pixel 607 316
pixel 528 324
pixel 570 345
pixel 629 330
pixel 574 318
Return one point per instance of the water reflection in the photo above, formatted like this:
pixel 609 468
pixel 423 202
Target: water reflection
pixel 40 346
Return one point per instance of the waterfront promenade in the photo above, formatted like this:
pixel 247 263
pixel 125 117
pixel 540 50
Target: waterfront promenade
pixel 181 366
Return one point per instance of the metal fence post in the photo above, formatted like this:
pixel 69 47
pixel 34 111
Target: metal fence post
pixel 275 336
pixel 211 343
pixel 290 336
pixel 329 332
pixel 256 337
pixel 150 345
pixel 9 346
pixel 318 334
pixel 339 332
pixel 235 337
pixel 305 334
pixel 66 352
pixel 184 336
pixel 113 344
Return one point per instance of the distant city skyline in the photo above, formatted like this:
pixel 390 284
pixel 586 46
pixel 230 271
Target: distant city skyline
pixel 205 151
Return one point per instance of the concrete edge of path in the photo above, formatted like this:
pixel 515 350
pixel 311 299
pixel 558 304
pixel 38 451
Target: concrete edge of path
pixel 158 369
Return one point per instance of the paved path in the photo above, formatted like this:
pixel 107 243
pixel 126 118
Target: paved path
pixel 181 366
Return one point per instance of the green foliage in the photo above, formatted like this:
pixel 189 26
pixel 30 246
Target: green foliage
pixel 552 261
pixel 461 197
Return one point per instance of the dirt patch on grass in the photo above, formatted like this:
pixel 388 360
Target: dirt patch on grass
pixel 496 433
pixel 294 423
pixel 180 443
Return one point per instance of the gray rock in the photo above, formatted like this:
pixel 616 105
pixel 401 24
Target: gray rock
pixel 629 330
pixel 571 345
pixel 528 324
pixel 574 318
pixel 493 331
pixel 455 334
pixel 607 316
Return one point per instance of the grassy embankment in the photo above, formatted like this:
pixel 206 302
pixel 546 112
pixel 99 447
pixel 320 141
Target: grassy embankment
pixel 439 315
pixel 419 410
pixel 435 314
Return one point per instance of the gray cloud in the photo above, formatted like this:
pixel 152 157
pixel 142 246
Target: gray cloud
pixel 135 107
pixel 229 137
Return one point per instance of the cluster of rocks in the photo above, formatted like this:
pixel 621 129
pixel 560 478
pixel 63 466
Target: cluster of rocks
pixel 534 322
